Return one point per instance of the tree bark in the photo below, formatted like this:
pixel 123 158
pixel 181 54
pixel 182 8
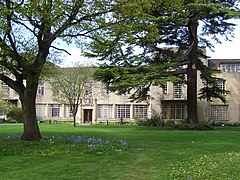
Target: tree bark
pixel 192 117
pixel 31 130
pixel 74 120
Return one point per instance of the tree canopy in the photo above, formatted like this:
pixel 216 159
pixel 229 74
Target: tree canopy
pixel 163 40
pixel 30 35
pixel 69 86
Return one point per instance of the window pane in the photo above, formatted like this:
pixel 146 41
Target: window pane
pixel 40 89
pixel 6 88
pixel 67 112
pixel 105 91
pixel 105 111
pixel 54 110
pixel 230 67
pixel 178 111
pixel 164 88
pixel 177 90
pixel 219 112
pixel 221 85
pixel 140 111
pixel 123 111
pixel 88 89
pixel 40 110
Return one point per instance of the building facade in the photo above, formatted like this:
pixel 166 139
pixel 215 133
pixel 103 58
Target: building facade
pixel 229 71
pixel 168 101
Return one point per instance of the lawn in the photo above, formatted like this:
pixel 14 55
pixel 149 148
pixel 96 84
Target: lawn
pixel 152 153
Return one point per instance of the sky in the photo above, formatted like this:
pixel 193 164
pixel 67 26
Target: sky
pixel 228 49
pixel 225 50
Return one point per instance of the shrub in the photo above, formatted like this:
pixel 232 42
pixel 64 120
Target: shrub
pixel 199 126
pixel 170 123
pixel 15 115
pixel 153 121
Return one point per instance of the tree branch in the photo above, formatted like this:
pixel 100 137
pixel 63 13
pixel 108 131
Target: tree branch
pixel 60 49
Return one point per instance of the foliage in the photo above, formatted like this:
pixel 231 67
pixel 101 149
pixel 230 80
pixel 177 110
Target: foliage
pixel 155 120
pixel 16 115
pixel 31 33
pixel 211 88
pixel 214 166
pixel 136 53
pixel 46 160
pixel 116 124
pixel 170 123
pixel 199 126
pixel 55 145
pixel 5 105
pixel 69 86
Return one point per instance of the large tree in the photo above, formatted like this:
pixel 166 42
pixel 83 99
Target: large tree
pixel 136 48
pixel 69 85
pixel 28 34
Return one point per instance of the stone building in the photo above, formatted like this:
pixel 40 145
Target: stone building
pixel 168 101
pixel 229 70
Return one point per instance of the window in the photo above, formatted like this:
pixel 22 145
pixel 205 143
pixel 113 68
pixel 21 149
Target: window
pixel 164 111
pixel 221 85
pixel 123 111
pixel 140 111
pixel 219 112
pixel 237 67
pixel 67 111
pixel 6 88
pixel 164 88
pixel 2 113
pixel 55 110
pixel 178 111
pixel 40 89
pixel 230 67
pixel 40 110
pixel 88 89
pixel 105 91
pixel 105 111
pixel 177 90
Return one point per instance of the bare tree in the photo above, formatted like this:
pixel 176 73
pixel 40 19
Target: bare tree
pixel 69 87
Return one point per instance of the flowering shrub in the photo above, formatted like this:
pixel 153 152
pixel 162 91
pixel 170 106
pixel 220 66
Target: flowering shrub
pixel 217 166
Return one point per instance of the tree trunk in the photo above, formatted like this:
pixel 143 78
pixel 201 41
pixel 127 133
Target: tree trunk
pixel 192 117
pixel 73 109
pixel 31 130
pixel 74 120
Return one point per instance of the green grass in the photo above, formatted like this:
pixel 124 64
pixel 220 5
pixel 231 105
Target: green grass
pixel 152 154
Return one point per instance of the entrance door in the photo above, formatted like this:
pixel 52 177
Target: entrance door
pixel 87 115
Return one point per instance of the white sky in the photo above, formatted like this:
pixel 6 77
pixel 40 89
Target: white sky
pixel 69 61
pixel 226 50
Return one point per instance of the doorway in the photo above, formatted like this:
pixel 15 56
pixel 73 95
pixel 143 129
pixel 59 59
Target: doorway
pixel 87 115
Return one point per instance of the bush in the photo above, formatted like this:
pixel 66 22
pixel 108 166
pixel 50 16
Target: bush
pixel 153 121
pixel 199 126
pixel 15 115
pixel 170 123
